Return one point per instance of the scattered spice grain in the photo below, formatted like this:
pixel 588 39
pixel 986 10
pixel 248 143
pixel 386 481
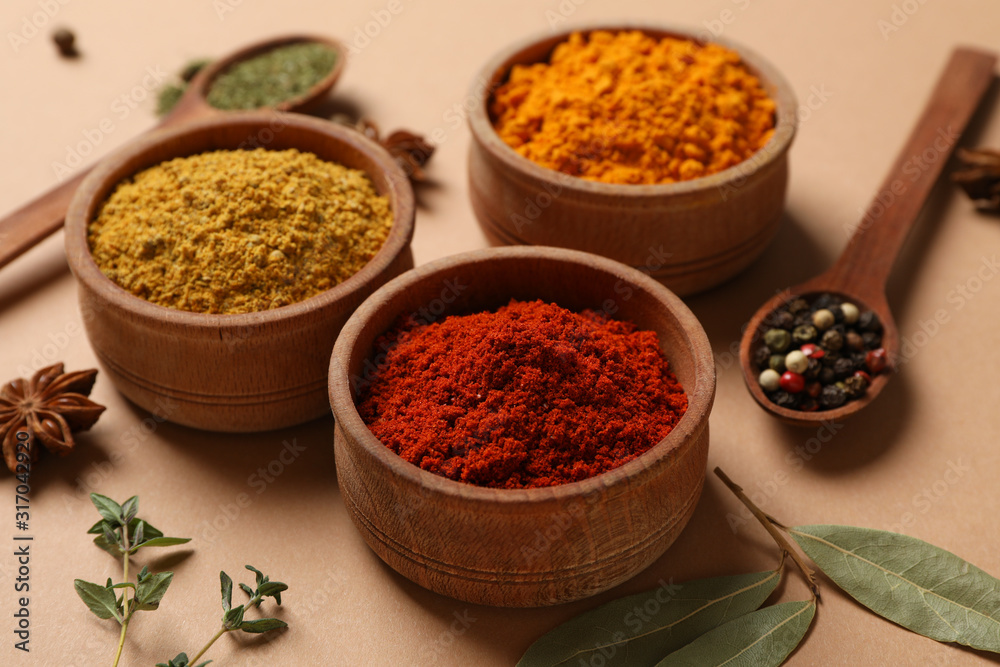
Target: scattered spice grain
pixel 529 395
pixel 238 231
pixel 65 41
pixel 629 108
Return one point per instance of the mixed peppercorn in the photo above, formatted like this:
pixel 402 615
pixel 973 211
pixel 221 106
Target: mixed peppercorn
pixel 819 354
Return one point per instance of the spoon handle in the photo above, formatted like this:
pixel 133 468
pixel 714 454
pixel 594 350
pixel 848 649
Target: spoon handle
pixel 33 222
pixel 864 266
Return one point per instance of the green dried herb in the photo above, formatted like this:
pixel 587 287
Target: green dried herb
pixel 121 533
pixel 275 76
pixel 233 617
pixel 170 94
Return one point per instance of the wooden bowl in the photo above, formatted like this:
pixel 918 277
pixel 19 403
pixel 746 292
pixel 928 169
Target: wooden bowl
pixel 522 547
pixel 690 235
pixel 235 373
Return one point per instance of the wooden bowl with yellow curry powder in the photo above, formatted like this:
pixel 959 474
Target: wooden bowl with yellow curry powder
pixel 218 261
pixel 638 143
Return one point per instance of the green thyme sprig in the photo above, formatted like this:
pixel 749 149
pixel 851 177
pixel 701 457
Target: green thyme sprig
pixel 233 617
pixel 121 533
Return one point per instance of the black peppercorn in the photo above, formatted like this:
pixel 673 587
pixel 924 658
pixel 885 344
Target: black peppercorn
pixel 827 376
pixel 855 386
pixel 784 399
pixel 854 341
pixel 871 340
pixel 823 301
pixel 832 340
pixel 812 371
pixel 832 396
pixel 798 305
pixel 781 319
pixel 868 321
pixel 843 367
pixel 761 356
pixel 838 314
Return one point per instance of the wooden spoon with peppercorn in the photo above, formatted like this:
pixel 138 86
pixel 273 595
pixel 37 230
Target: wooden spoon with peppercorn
pixel 859 276
pixel 39 218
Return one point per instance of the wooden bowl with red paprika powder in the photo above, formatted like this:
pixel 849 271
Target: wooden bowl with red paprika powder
pixel 521 547
pixel 689 234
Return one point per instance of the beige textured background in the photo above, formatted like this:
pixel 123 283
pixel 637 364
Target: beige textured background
pixel 865 85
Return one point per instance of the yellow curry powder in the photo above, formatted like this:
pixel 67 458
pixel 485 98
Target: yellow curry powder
pixel 239 231
pixel 629 108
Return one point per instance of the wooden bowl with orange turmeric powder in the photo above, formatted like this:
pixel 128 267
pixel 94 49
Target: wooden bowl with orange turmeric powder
pixel 216 268
pixel 638 143
pixel 521 426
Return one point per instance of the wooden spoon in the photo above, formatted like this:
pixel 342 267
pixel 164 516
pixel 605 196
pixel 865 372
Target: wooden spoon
pixel 39 218
pixel 860 274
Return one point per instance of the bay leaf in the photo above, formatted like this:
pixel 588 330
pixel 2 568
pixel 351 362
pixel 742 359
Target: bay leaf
pixel 640 629
pixel 763 638
pixel 913 583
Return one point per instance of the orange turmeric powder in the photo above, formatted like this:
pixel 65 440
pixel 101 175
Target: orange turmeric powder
pixel 629 108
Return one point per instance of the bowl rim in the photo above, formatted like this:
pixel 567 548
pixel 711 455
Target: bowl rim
pixel 496 70
pixel 97 186
pixel 694 420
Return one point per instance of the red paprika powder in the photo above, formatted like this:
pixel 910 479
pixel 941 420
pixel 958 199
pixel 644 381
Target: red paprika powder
pixel 528 396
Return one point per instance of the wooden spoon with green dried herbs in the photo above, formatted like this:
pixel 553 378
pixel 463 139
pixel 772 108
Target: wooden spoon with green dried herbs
pixel 720 621
pixel 39 218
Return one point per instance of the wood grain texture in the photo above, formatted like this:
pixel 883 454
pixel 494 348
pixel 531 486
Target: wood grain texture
pixel 861 271
pixel 36 220
pixel 526 547
pixel 690 235
pixel 235 373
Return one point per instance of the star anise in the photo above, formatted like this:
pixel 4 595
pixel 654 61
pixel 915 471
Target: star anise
pixel 410 150
pixel 980 177
pixel 51 407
